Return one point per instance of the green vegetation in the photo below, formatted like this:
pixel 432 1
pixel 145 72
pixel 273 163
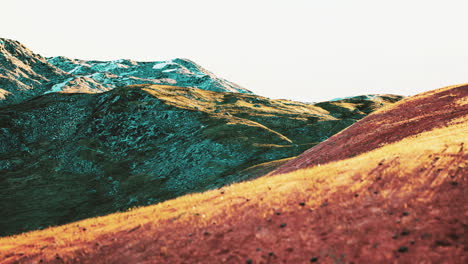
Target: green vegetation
pixel 66 157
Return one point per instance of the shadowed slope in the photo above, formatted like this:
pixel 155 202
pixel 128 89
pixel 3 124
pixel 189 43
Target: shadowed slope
pixel 65 157
pixel 403 202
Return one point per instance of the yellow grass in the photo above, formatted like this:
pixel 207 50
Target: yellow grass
pixel 209 101
pixel 312 185
pixel 420 96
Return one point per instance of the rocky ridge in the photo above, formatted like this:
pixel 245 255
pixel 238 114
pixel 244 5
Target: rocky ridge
pixel 119 73
pixel 24 74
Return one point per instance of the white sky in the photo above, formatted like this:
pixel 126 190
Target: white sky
pixel 306 50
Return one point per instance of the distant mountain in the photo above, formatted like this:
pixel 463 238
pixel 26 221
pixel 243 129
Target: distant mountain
pixel 65 157
pixel 118 73
pixel 24 74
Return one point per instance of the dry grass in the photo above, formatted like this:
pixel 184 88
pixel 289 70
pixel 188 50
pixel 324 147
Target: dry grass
pixel 312 186
pixel 390 124
pixel 209 101
pixel 403 202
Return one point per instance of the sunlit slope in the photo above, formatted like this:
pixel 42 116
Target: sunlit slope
pixel 408 117
pixel 24 74
pixel 66 157
pixel 402 202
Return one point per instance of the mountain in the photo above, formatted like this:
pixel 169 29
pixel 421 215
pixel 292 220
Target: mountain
pixel 24 74
pixel 118 73
pixel 389 189
pixel 65 156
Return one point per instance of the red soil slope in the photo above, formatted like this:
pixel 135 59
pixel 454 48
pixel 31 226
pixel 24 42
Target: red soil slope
pixel 403 202
pixel 408 117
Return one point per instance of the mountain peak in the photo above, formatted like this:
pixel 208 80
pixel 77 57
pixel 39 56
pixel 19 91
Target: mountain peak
pixel 181 72
pixel 25 74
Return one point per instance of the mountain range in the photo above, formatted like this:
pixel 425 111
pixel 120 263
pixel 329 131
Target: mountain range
pixel 164 162
pixel 80 139
pixel 25 74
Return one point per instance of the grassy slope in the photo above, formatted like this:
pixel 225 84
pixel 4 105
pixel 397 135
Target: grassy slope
pixel 67 157
pixel 408 117
pixel 403 201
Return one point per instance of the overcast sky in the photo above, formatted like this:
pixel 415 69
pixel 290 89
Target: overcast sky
pixel 304 50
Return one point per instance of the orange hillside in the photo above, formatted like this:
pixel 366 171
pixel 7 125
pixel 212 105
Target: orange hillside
pixel 399 198
pixel 408 117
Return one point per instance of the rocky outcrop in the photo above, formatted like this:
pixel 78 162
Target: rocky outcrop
pixel 65 157
pixel 24 74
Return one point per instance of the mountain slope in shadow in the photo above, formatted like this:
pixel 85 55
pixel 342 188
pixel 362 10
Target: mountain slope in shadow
pixel 65 157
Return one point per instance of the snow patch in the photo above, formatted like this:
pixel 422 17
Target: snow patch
pixel 75 69
pixel 337 99
pixel 341 98
pixel 58 87
pixel 104 78
pixel 108 66
pixel 128 73
pixel 80 62
pixel 162 64
pixel 369 96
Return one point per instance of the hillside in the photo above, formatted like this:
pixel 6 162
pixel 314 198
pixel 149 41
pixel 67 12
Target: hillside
pixel 65 157
pixel 25 74
pixel 401 201
pixel 409 117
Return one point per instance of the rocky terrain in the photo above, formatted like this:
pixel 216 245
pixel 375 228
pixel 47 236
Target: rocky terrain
pixel 65 156
pixel 24 74
pixel 389 189
pixel 119 73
